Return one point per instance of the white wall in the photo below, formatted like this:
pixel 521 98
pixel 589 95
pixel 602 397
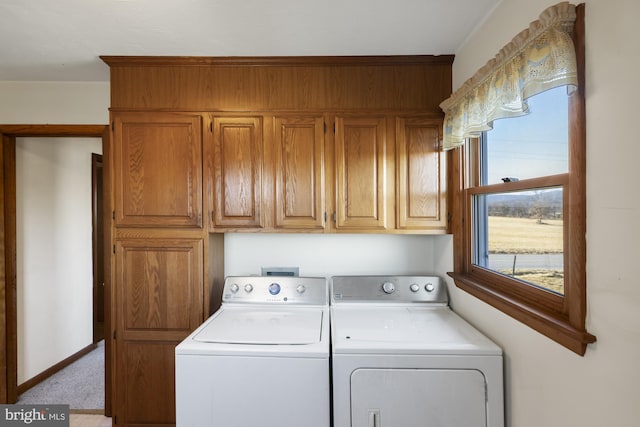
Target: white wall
pixel 54 255
pixel 54 102
pixel 328 255
pixel 54 219
pixel 547 385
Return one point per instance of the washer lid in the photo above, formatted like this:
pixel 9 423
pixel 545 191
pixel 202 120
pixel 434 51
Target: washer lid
pixel 263 326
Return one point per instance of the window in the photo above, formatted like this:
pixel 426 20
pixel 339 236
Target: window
pixel 519 211
pixel 518 231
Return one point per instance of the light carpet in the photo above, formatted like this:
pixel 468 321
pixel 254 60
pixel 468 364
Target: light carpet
pixel 79 385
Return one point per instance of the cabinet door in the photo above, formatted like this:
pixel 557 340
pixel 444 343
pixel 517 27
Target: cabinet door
pixel 299 172
pixel 420 199
pixel 158 170
pixel 158 303
pixel 236 171
pixel 361 175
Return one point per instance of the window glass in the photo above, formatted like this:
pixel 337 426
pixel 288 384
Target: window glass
pixel 532 145
pixel 520 234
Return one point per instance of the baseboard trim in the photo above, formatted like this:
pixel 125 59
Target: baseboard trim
pixel 55 368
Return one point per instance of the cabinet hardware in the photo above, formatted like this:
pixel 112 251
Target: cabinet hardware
pixel 210 127
pixel 113 215
pixel 114 249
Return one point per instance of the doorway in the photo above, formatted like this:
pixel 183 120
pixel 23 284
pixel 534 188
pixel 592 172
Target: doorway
pixel 8 252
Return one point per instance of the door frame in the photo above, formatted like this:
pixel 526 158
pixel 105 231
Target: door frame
pixel 97 222
pixel 8 256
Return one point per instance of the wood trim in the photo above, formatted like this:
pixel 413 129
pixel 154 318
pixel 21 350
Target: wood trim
pixel 24 131
pixel 10 266
pixel 276 61
pixel 412 84
pixel 556 327
pixel 55 368
pixel 107 206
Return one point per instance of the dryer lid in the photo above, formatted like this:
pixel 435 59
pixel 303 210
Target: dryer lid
pixel 263 327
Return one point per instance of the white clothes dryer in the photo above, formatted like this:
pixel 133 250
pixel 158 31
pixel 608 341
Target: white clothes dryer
pixel 261 359
pixel 402 357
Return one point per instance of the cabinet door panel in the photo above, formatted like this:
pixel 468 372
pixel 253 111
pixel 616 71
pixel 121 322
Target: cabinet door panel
pixel 158 172
pixel 420 164
pixel 149 391
pixel 299 177
pixel 159 301
pixel 237 171
pixel 361 173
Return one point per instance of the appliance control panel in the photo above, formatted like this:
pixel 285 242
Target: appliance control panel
pixel 276 289
pixel 398 289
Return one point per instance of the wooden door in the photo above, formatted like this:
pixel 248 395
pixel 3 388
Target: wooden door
pixel 421 199
pixel 361 173
pixel 159 298
pixel 299 172
pixel 235 170
pixel 158 178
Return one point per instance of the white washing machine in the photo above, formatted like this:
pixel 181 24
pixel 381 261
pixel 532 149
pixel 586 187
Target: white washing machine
pixel 403 358
pixel 262 359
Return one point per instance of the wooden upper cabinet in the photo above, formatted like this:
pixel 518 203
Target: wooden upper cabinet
pixel 420 195
pixel 299 172
pixel 158 173
pixel 235 172
pixel 361 157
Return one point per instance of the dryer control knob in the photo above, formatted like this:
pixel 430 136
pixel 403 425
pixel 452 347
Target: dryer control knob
pixel 248 287
pixel 414 287
pixel 388 287
pixel 234 288
pixel 429 287
pixel 300 289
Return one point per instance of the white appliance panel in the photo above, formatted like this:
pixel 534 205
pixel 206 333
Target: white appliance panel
pixel 380 328
pixel 263 326
pixel 417 398
pixel 241 391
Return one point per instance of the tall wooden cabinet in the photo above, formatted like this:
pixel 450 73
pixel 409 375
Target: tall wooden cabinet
pixel 158 296
pixel 206 146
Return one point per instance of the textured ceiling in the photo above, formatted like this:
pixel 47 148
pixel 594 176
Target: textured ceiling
pixel 48 40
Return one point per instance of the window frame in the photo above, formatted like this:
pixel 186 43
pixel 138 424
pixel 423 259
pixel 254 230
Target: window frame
pixel 559 317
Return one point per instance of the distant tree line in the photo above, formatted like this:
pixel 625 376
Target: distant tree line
pixel 540 205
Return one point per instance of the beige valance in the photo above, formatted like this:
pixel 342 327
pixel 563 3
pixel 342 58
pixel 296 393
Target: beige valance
pixel 539 58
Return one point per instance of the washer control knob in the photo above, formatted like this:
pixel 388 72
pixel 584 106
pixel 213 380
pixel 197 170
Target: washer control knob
pixel 234 288
pixel 274 289
pixel 429 287
pixel 388 287
pixel 300 289
pixel 248 287
pixel 414 287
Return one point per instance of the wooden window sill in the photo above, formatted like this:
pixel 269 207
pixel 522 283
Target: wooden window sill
pixel 554 326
